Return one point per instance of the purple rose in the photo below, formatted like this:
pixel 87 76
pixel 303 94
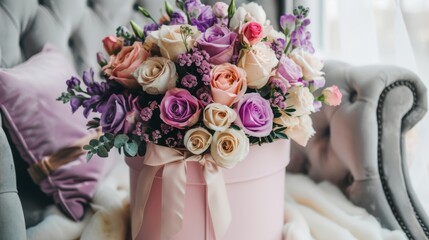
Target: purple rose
pixel 255 116
pixel 219 43
pixel 179 108
pixel 287 22
pixel 288 71
pixel 120 114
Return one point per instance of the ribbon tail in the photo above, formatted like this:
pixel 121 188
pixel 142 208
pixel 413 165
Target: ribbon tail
pixel 218 202
pixel 144 185
pixel 173 198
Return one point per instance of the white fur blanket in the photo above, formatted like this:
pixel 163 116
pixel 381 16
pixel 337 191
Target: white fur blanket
pixel 312 211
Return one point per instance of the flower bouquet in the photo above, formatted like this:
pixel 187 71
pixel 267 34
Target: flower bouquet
pixel 200 85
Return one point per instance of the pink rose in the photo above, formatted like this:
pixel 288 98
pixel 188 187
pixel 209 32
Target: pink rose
pixel 253 33
pixel 121 66
pixel 332 96
pixel 228 83
pixel 112 44
pixel 179 108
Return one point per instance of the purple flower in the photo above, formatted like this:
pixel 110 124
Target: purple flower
pixel 287 22
pixel 317 106
pixel 177 18
pixel 301 39
pixel 171 142
pixel 255 116
pixel 179 108
pixel 192 5
pixel 288 71
pixel 72 83
pixel 75 103
pixel 317 83
pixel 205 96
pixel 149 28
pixel 219 43
pixel 205 18
pixel 120 114
pixel 166 128
pixel 278 46
pixel 189 81
pixel 99 92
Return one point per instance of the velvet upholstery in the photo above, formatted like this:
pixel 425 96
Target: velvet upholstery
pixel 359 146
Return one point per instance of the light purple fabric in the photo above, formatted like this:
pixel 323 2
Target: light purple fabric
pixel 39 125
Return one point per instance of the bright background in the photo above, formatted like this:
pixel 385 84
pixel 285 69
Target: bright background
pixel 380 32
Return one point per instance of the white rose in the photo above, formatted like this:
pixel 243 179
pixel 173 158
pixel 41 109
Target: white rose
pixel 301 99
pixel 220 9
pixel 156 75
pixel 229 147
pixel 299 129
pixel 170 42
pixel 197 140
pixel 310 64
pixel 273 34
pixel 258 62
pixel 218 117
pixel 250 12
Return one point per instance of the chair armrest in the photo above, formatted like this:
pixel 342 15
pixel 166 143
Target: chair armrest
pixel 12 225
pixel 360 145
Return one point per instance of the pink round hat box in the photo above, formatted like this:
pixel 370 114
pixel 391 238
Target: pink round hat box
pixel 255 190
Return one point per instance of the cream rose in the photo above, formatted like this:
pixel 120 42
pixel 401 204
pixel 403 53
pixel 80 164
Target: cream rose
pixel 299 129
pixel 310 64
pixel 229 147
pixel 197 140
pixel 170 42
pixel 247 13
pixel 301 99
pixel 156 75
pixel 258 62
pixel 218 117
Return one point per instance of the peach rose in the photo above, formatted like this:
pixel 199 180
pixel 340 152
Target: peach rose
pixel 218 117
pixel 197 140
pixel 112 44
pixel 258 62
pixel 229 147
pixel 228 83
pixel 121 66
pixel 169 40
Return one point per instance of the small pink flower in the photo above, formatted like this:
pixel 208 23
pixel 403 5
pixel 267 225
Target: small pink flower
pixel 332 96
pixel 253 33
pixel 112 44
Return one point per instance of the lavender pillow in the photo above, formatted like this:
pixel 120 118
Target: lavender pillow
pixel 40 126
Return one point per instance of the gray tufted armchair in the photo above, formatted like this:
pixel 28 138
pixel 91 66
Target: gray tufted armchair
pixel 359 146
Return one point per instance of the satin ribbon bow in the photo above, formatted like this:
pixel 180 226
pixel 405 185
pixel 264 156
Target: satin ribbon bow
pixel 174 190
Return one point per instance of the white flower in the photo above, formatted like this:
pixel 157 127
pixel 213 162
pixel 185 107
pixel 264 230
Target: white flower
pixel 218 117
pixel 258 62
pixel 229 147
pixel 310 64
pixel 197 140
pixel 170 42
pixel 156 75
pixel 299 129
pixel 247 13
pixel 301 99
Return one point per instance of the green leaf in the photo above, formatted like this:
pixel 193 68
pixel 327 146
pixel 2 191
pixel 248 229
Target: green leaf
pixel 280 129
pixel 131 148
pixel 235 127
pixel 93 142
pixel 289 110
pixel 102 152
pixel 120 140
pixel 277 115
pixel 281 135
pixel 89 156
pixel 87 147
pixel 109 136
